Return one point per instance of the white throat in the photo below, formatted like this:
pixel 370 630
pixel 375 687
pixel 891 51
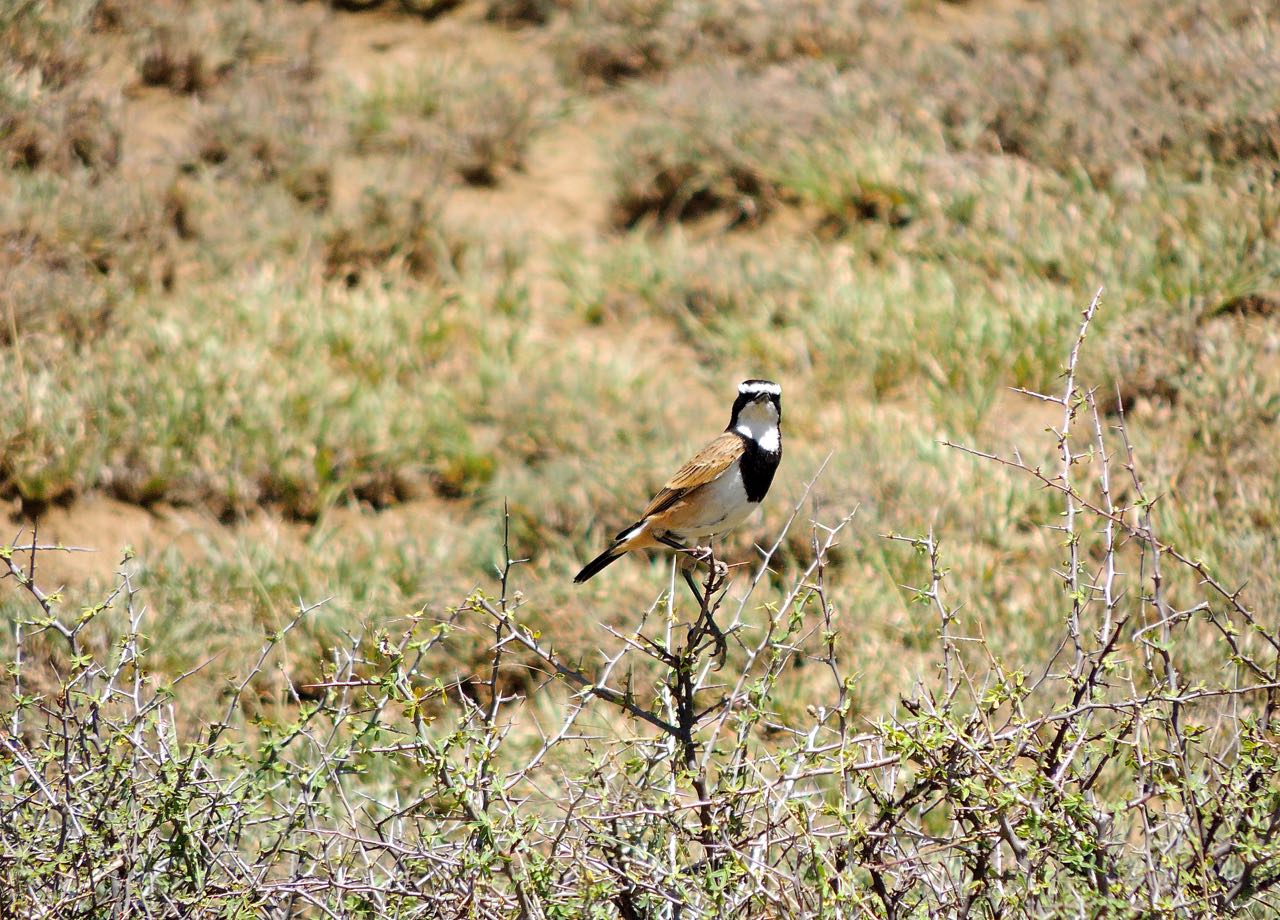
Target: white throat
pixel 759 422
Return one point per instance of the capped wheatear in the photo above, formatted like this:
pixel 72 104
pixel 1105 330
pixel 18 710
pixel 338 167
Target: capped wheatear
pixel 717 489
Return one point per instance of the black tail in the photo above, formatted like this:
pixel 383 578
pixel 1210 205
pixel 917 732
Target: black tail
pixel 596 565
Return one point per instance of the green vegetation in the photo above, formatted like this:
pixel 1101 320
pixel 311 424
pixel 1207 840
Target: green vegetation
pixel 337 294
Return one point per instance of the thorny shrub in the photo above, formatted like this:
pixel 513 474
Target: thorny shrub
pixel 1133 772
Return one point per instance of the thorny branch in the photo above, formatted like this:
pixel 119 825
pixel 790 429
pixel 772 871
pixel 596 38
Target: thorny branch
pixel 1131 771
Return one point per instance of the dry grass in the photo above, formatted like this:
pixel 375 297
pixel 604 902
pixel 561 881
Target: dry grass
pixel 266 321
pixel 474 120
pixel 330 313
pixel 603 42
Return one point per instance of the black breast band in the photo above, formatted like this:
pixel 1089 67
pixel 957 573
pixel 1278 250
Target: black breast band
pixel 758 466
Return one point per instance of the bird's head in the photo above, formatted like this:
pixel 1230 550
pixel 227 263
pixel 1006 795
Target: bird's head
pixel 758 408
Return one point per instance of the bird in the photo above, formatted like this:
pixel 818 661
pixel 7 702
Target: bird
pixel 718 488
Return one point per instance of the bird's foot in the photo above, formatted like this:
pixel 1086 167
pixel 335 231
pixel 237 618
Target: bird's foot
pixel 719 568
pixel 703 553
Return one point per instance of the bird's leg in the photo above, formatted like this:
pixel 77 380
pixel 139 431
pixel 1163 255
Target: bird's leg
pixel 699 553
pixel 716 574
pixel 693 585
pixel 668 540
pixel 702 594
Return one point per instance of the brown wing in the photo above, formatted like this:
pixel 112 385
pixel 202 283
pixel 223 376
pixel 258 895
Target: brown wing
pixel 705 466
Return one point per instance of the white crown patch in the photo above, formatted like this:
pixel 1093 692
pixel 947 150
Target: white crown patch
pixel 753 387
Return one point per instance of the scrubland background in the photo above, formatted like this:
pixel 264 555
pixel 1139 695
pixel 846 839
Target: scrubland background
pixel 298 298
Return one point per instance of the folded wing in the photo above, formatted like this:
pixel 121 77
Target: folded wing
pixel 705 466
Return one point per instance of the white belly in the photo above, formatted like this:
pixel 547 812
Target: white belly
pixel 721 506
